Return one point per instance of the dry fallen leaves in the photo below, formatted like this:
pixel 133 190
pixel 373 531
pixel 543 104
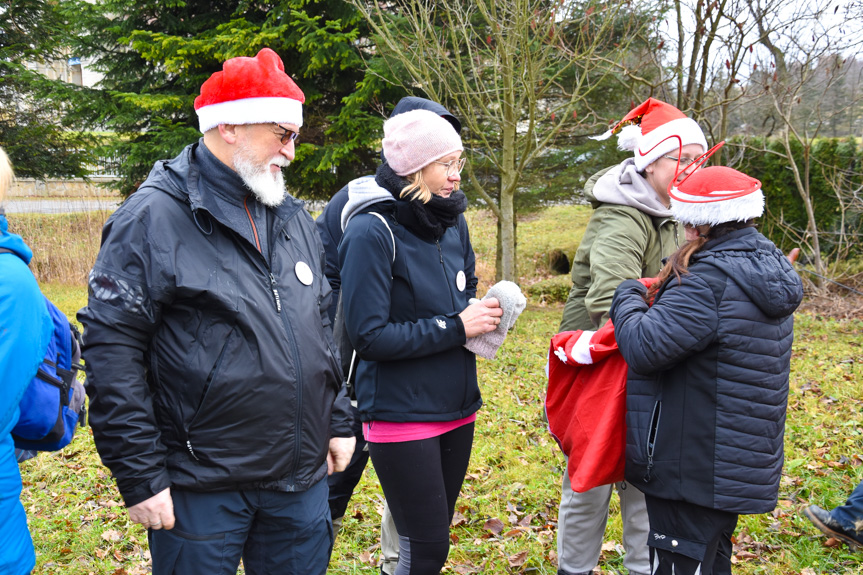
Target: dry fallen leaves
pixel 112 535
pixel 517 560
pixel 494 525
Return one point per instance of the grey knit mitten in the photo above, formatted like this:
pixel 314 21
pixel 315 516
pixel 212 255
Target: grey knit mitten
pixel 513 302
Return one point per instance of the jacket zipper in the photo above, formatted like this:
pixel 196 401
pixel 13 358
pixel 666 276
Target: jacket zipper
pixel 216 368
pixel 651 438
pixel 275 289
pixel 295 352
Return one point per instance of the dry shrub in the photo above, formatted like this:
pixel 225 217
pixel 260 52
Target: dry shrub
pixel 64 245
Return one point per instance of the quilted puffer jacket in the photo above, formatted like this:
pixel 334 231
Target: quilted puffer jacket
pixel 708 375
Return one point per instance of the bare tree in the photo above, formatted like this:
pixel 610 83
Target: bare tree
pixel 807 46
pixel 516 71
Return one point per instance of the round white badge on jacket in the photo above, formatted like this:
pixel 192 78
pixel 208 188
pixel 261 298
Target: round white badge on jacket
pixel 304 273
pixel 460 281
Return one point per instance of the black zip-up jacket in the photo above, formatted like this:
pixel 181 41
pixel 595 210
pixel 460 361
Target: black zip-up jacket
pixel 708 375
pixel 210 363
pixel 402 317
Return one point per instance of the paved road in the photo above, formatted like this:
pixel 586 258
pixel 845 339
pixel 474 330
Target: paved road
pixel 15 206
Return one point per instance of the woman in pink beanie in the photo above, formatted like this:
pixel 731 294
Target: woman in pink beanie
pixel 407 271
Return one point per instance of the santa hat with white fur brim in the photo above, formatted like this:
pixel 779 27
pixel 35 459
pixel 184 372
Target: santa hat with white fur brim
pixel 250 91
pixel 716 195
pixel 653 129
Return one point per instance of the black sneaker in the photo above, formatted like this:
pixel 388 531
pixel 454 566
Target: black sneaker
pixel 822 520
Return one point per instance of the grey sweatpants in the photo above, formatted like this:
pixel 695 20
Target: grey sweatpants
pixel 581 528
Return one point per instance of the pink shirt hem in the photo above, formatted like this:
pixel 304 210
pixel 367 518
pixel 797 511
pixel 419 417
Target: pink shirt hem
pixel 392 432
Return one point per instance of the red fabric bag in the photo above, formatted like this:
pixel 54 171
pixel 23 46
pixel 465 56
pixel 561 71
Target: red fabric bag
pixel 586 405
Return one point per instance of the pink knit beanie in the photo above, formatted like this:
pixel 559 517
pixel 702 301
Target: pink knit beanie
pixel 415 139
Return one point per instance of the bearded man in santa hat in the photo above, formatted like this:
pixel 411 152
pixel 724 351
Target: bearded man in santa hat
pixel 629 233
pixel 215 397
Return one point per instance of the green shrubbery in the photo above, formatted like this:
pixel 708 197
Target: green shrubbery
pixel 831 160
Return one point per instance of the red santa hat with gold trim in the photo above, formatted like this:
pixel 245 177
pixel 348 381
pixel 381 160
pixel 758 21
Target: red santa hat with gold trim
pixel 716 195
pixel 250 91
pixel 653 129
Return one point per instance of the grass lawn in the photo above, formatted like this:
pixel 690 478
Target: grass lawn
pixel 506 517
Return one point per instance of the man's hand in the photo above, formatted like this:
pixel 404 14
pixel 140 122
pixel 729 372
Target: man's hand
pixel 341 449
pixel 156 512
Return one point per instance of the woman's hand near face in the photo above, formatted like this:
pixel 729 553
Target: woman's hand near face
pixel 481 317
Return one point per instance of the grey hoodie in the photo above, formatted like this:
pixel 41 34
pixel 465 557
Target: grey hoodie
pixel 624 186
pixel 362 193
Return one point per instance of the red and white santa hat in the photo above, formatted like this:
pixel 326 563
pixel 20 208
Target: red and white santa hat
pixel 653 129
pixel 716 195
pixel 250 91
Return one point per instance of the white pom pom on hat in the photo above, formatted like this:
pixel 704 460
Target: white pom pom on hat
pixel 653 129
pixel 716 195
pixel 250 91
pixel 415 139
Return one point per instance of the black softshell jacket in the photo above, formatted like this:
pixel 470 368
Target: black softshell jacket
pixel 708 375
pixel 210 366
pixel 402 318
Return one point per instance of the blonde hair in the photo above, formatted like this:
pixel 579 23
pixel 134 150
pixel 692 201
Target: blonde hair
pixel 6 174
pixel 417 189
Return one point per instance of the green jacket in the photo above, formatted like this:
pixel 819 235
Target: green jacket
pixel 621 242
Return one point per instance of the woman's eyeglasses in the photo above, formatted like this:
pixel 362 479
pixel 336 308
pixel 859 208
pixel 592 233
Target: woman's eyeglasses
pixel 684 161
pixel 286 135
pixel 454 167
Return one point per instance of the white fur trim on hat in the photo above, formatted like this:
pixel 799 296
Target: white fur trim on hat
pixel 628 138
pixel 251 111
pixel 693 210
pixel 664 140
pixel 581 349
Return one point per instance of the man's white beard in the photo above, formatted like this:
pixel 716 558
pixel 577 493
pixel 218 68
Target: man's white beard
pixel 269 188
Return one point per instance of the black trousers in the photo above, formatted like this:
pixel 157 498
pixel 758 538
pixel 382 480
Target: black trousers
pixel 342 483
pixel 684 538
pixel 421 481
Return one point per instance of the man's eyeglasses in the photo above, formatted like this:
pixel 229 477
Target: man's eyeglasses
pixel 454 167
pixel 683 161
pixel 286 135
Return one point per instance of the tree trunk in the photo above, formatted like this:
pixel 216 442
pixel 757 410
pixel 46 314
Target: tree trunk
pixel 507 270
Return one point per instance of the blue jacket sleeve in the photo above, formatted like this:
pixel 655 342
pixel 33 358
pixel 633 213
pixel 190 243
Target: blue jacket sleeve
pixel 682 321
pixel 26 327
pixel 366 256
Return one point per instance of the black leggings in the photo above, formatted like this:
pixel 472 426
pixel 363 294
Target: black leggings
pixel 421 481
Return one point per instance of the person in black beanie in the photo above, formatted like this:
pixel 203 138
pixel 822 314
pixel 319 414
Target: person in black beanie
pixel 407 275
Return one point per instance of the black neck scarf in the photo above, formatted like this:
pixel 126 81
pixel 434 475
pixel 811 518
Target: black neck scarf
pixel 429 220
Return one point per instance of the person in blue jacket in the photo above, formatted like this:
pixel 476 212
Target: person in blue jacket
pixel 709 364
pixel 407 275
pixel 26 329
pixel 329 226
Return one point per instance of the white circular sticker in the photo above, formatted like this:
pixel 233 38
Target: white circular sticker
pixel 460 281
pixel 304 273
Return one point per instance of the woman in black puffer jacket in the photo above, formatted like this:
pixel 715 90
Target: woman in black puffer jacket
pixel 407 271
pixel 709 364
